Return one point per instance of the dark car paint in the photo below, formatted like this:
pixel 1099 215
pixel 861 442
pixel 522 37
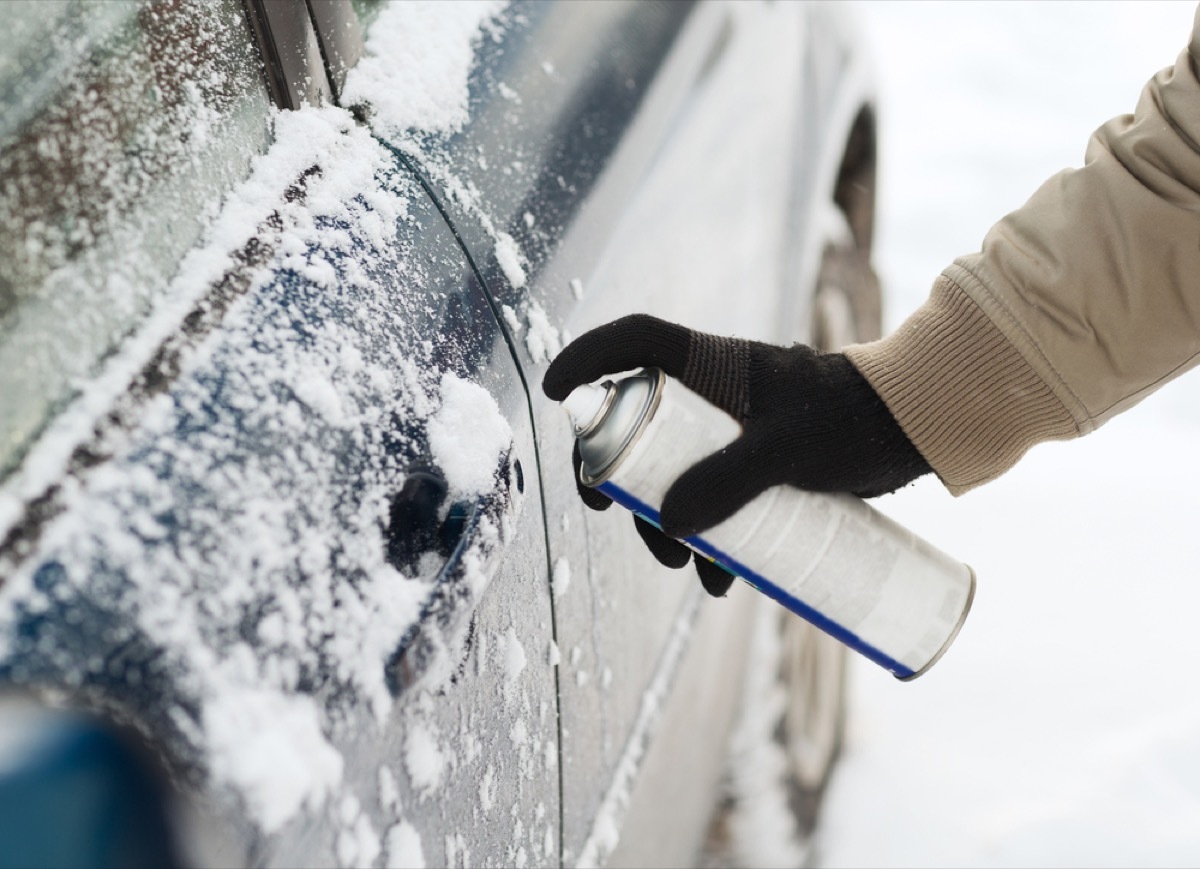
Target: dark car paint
pixel 102 661
pixel 604 90
pixel 587 129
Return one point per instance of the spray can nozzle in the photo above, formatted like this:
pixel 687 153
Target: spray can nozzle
pixel 588 405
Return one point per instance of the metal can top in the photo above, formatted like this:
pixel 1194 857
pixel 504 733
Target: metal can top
pixel 609 440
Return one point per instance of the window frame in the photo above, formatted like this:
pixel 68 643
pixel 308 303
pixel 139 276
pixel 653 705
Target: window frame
pixel 306 54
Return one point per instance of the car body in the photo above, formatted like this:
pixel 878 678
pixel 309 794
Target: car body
pixel 281 495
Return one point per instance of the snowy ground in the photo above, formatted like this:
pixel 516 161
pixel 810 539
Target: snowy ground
pixel 1063 728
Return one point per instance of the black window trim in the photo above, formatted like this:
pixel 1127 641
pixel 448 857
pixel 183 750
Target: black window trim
pixel 340 37
pixel 307 48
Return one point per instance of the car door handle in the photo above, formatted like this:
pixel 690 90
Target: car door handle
pixel 417 523
pixel 431 540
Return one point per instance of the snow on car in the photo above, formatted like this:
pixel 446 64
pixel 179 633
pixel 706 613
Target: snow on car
pixel 283 511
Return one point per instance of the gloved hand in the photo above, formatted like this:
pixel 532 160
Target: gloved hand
pixel 809 419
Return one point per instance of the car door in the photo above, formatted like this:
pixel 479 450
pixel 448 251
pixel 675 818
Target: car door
pixel 618 158
pixel 277 510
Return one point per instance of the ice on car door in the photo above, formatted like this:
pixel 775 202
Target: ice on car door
pixel 619 158
pixel 299 552
pixel 561 131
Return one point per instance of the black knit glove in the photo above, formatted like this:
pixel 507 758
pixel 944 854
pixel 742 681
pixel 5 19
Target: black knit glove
pixel 809 419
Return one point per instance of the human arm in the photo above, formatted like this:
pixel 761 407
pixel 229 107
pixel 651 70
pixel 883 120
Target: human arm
pixel 1079 304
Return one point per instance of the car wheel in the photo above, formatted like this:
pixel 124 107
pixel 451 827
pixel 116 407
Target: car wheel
pixel 812 665
pixel 794 713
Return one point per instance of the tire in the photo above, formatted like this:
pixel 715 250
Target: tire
pixel 811 664
pixel 793 720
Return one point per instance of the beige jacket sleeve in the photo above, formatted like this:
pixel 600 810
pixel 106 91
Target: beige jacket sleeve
pixel 1081 303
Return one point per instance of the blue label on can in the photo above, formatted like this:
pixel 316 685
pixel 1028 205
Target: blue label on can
pixel 764 585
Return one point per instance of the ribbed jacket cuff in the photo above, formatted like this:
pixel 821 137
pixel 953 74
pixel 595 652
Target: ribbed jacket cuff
pixel 965 396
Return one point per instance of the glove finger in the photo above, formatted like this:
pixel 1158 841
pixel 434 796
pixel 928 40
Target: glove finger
pixel 715 488
pixel 636 341
pixel 715 579
pixel 592 498
pixel 669 552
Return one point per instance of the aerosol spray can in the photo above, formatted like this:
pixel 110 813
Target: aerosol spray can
pixel 831 559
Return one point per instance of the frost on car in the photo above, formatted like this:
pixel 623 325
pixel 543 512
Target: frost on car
pixel 221 575
pixel 279 492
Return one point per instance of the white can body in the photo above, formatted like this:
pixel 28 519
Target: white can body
pixel 831 559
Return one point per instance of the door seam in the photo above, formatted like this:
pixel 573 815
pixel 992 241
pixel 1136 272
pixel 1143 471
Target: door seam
pixel 512 349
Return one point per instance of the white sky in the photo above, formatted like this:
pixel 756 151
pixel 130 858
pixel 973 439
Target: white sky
pixel 1063 728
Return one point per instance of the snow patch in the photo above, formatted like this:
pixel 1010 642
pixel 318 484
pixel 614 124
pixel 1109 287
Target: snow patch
pixel 606 823
pixel 519 734
pixel 487 789
pixel 270 746
pixel 510 317
pixel 389 792
pixel 423 758
pixel 404 847
pixel 429 47
pixel 514 657
pixel 457 852
pixel 467 436
pixel 542 342
pixel 357 843
pixel 510 259
pixel 561 580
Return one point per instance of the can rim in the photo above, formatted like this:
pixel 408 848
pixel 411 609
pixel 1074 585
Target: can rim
pixel 953 634
pixel 610 467
pixel 610 395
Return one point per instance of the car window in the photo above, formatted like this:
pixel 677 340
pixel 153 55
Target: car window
pixel 121 124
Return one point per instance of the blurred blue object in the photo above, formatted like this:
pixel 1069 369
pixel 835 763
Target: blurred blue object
pixel 78 792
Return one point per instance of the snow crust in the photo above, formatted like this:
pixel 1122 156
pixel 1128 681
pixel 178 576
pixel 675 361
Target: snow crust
pixel 561 579
pixel 112 152
pixel 404 849
pixel 87 250
pixel 467 434
pixel 543 340
pixel 260 584
pixel 188 569
pixel 417 60
pixel 271 747
pixel 605 832
pixel 252 580
pixel 511 261
pixel 424 759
